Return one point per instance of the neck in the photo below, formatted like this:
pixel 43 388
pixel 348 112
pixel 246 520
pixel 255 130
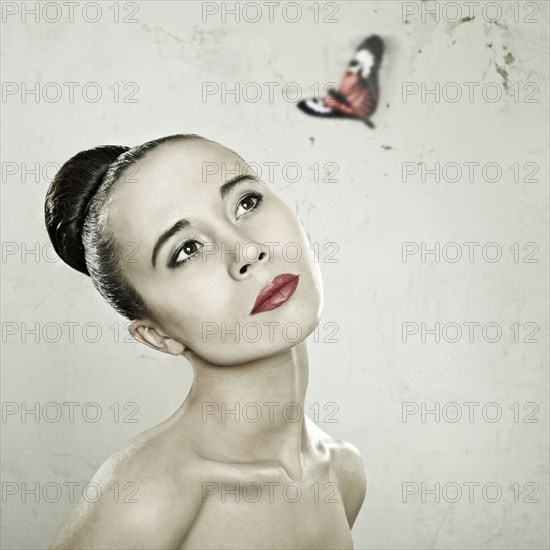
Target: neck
pixel 252 412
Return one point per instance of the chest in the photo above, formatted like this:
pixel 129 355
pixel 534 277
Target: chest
pixel 270 511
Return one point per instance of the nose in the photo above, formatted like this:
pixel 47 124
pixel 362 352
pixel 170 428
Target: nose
pixel 245 258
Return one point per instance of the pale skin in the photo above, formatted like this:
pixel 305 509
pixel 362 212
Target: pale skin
pixel 186 479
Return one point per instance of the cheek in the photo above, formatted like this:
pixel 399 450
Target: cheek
pixel 187 305
pixel 280 225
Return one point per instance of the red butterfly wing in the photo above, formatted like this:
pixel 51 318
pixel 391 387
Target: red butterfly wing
pixel 358 101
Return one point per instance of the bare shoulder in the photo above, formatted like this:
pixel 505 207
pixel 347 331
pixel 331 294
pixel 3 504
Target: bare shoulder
pixel 136 499
pixel 350 471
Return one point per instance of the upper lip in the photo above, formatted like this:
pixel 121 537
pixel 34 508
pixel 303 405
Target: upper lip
pixel 272 287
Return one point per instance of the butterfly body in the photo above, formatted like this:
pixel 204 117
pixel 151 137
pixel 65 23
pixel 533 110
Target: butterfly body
pixel 358 93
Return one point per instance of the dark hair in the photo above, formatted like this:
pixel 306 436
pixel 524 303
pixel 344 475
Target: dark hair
pixel 76 219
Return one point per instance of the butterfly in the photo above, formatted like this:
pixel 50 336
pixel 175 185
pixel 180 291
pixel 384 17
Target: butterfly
pixel 358 93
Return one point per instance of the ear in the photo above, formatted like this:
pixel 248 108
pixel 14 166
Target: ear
pixel 155 338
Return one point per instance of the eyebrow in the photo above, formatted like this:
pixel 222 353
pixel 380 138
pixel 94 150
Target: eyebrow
pixel 225 189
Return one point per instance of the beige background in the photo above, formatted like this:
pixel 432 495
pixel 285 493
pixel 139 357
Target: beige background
pixel 369 212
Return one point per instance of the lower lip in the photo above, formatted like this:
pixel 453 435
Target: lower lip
pixel 278 298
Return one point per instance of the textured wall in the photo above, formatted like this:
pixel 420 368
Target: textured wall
pixel 369 211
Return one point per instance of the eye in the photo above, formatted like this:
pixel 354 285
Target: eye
pixel 247 203
pixel 185 252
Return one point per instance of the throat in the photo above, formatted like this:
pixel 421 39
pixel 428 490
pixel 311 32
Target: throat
pixel 253 412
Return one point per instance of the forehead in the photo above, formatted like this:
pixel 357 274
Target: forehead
pixel 194 168
pixel 192 161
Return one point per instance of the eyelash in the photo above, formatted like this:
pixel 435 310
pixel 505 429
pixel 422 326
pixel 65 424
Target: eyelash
pixel 173 264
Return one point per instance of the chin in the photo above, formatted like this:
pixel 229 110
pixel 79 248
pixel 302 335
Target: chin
pixel 264 334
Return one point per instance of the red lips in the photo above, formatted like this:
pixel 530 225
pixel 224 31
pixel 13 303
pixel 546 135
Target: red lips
pixel 275 293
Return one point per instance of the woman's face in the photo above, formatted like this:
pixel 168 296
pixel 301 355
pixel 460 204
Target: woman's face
pixel 217 254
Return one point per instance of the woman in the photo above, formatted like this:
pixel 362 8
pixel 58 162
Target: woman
pixel 182 238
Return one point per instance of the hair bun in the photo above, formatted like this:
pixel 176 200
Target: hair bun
pixel 68 199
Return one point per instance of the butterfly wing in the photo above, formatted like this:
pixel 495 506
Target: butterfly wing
pixel 367 61
pixel 358 93
pixel 335 105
